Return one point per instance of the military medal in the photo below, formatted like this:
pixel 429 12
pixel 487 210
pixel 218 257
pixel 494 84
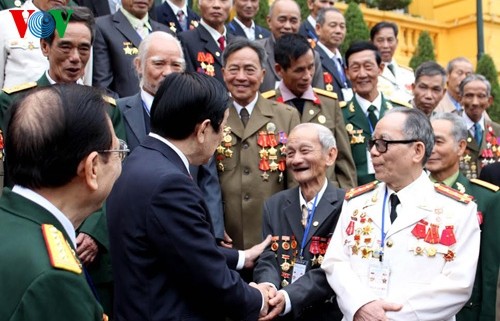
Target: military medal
pixel 285 245
pixel 285 276
pixel 285 266
pixel 293 243
pixel 419 231
pixel 224 149
pixel 448 236
pixel 448 257
pixel 314 249
pixel 432 236
pixel 274 244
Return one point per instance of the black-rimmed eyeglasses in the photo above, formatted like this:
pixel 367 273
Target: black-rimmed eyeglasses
pixel 122 150
pixel 381 144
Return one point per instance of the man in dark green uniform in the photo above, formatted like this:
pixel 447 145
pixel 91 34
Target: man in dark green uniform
pixel 53 193
pixel 68 57
pixel 368 105
pixel 451 140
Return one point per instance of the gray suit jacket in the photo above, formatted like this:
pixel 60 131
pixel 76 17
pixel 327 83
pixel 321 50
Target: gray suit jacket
pixel 272 77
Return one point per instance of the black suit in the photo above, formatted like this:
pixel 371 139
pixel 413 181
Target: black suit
pixel 137 128
pixel 166 262
pixel 115 48
pixel 234 28
pixel 308 30
pixel 197 43
pixel 282 217
pixel 329 67
pixel 165 15
pixel 101 7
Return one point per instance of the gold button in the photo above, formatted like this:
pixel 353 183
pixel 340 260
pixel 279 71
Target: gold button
pixel 389 243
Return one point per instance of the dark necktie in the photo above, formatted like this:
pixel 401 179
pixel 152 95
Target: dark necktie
pixel 299 104
pixel 245 116
pixel 221 41
pixel 371 116
pixel 394 202
pixel 391 68
pixel 340 70
pixel 478 133
pixel 182 19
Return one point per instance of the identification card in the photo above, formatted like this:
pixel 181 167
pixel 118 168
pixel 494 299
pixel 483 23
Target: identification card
pixel 347 93
pixel 299 269
pixel 378 279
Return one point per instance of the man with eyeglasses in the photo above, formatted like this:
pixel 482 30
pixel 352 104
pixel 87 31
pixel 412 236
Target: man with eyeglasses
pixel 361 114
pixel 482 142
pixel 404 248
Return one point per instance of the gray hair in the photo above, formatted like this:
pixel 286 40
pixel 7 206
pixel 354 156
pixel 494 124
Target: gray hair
pixel 473 77
pixel 239 43
pixel 459 128
pixel 320 19
pixel 451 63
pixel 417 126
pixel 430 68
pixel 325 135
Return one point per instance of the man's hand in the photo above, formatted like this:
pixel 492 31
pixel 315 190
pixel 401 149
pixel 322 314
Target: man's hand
pixel 276 306
pixel 252 254
pixel 227 242
pixel 86 248
pixel 375 311
pixel 266 290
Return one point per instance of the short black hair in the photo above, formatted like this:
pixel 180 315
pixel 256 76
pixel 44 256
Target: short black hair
pixel 320 19
pixel 76 14
pixel 381 25
pixel 430 68
pixel 239 43
pixel 52 129
pixel 358 46
pixel 185 100
pixel 290 47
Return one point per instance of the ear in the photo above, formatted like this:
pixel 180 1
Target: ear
pixel 381 68
pixel 268 20
pixel 263 75
pixel 88 169
pixel 462 145
pixel 317 28
pixel 279 70
pixel 419 152
pixel 413 88
pixel 331 156
pixel 137 65
pixel 490 102
pixel 201 131
pixel 44 45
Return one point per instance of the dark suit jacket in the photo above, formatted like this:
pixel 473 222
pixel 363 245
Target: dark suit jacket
pixel 471 165
pixel 234 28
pixel 165 15
pixel 491 173
pixel 199 42
pixel 206 175
pixel 32 288
pixel 115 48
pixel 271 77
pixel 282 217
pixel 308 30
pixel 329 67
pixel 165 257
pixel 101 7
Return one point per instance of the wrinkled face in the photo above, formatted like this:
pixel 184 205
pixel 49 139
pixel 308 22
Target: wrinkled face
pixel 284 19
pixel 461 69
pixel 316 5
pixel 243 75
pixel 305 157
pixel 386 42
pixel 246 9
pixel 68 56
pixel 298 77
pixel 215 12
pixel 46 5
pixel 332 32
pixel 161 60
pixel 363 72
pixel 427 93
pixel 446 152
pixel 138 8
pixel 475 99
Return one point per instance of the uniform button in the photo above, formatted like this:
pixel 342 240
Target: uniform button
pixel 246 197
pixel 246 171
pixel 245 146
pixel 389 243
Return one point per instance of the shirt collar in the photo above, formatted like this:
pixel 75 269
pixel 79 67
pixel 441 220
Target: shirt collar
pixel 147 100
pixel 214 33
pixel 455 103
pixel 309 204
pixel 449 181
pixel 53 82
pixel 364 104
pixel 288 95
pixel 136 22
pixel 470 124
pixel 249 107
pixel 46 204
pixel 407 194
pixel 311 20
pixel 176 150
pixel 176 9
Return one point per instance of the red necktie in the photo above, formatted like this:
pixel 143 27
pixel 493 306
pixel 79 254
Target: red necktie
pixel 221 41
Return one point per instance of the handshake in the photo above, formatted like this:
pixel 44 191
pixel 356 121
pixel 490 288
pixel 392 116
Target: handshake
pixel 274 301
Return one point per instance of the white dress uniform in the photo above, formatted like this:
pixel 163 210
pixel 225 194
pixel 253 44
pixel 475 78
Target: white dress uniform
pixel 430 252
pixel 21 59
pixel 398 86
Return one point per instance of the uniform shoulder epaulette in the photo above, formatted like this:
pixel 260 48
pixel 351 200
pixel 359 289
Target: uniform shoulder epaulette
pixel 60 253
pixel 268 94
pixel 484 184
pixel 356 191
pixel 342 103
pixel 326 93
pixel 401 102
pixel 21 87
pixel 453 193
pixel 109 100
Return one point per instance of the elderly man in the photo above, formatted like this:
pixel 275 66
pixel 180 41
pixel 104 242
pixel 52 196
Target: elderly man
pixel 54 193
pixel 295 65
pixel 302 220
pixel 308 27
pixel 284 18
pixel 451 139
pixel 177 15
pixel 404 248
pixel 475 93
pixel 456 70
pixel 243 24
pixel 251 165
pixel 429 87
pixel 160 229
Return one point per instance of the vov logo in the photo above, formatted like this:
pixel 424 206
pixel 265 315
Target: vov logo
pixel 41 23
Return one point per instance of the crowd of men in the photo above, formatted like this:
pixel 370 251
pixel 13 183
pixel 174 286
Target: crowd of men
pixel 156 159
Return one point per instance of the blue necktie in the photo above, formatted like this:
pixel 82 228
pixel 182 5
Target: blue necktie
pixel 340 70
pixel 478 133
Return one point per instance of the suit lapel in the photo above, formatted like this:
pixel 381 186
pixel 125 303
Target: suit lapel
pixel 168 17
pixel 124 26
pixel 328 204
pixel 234 121
pixel 134 115
pixel 294 214
pixel 260 117
pixel 269 46
pixel 356 116
pixel 236 28
pixel 210 45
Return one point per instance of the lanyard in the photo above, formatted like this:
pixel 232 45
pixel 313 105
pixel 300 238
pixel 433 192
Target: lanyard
pixel 310 214
pixel 383 234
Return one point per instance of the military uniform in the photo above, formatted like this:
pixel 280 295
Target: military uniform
pixel 42 279
pixel 251 165
pixel 325 110
pixel 398 86
pixel 475 157
pixel 425 260
pixel 359 131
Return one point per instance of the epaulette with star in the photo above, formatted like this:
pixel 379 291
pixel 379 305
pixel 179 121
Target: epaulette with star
pixel 109 100
pixel 269 94
pixel 326 93
pixel 484 184
pixel 61 255
pixel 360 190
pixel 342 104
pixel 401 102
pixel 453 193
pixel 21 87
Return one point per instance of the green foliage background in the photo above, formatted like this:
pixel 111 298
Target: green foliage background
pixel 357 28
pixel 486 67
pixel 424 51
